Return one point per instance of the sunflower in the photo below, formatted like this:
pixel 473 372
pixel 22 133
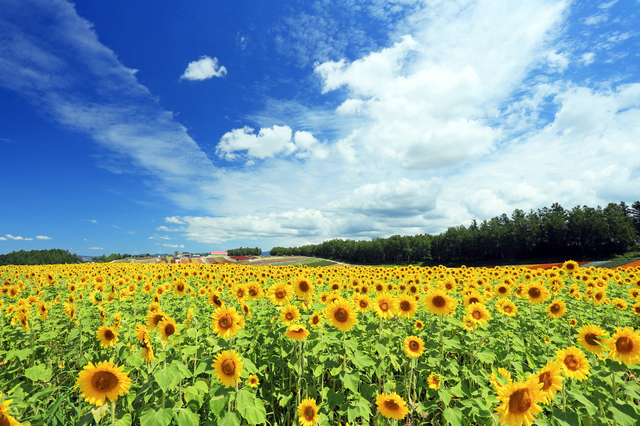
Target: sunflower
pixel 574 363
pixel 167 327
pixel 418 325
pixel 502 290
pixel 636 309
pixel 362 303
pixel 341 315
pixel 214 298
pixel 226 321
pixel 384 306
pixel 536 292
pixel 570 266
pixel 551 380
pixel 413 346
pixel 180 287
pixel 593 339
pixel 501 379
pixel 507 307
pixel 473 296
pixel 297 332
pixel 392 405
pixel 5 417
pixel 407 306
pixel 625 345
pixel 315 320
pixel 228 366
pixel 42 309
pixel 519 401
pixel 620 303
pixel 101 381
pixel 439 302
pixel 556 309
pixel 153 319
pixel 434 381
pixel 289 314
pixel 573 322
pixel 308 412
pixel 108 336
pixel 303 287
pixel 147 350
pixel 253 381
pixel 479 313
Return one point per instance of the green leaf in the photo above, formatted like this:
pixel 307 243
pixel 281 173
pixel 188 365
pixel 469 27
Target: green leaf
pixel 249 367
pixel 125 420
pixel 183 369
pixel 487 357
pixel 99 413
pixel 230 419
pixel 168 378
pixel 217 404
pixel 445 395
pixel 334 399
pixel 38 372
pixel 624 414
pixel 151 417
pixel 22 354
pixel 453 416
pixel 186 417
pixel 350 381
pixel 588 405
pixel 632 389
pixel 565 418
pixel 192 393
pixel 251 408
pixel 362 361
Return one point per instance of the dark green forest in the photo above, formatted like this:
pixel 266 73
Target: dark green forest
pixel 554 232
pixel 245 251
pixel 39 257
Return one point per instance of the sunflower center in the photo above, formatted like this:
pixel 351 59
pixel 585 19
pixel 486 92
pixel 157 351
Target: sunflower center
pixel 157 319
pixel 599 296
pixel 555 308
pixel 592 339
pixel 225 322
pixel 253 292
pixel 502 289
pixel 169 329
pixel 507 309
pixel 391 405
pixel 341 315
pixel 439 301
pixel 309 413
pixel 405 305
pixel 108 334
pixel 519 401
pixel 303 286
pixel 316 319
pixel 571 362
pixel 228 367
pixel 363 303
pixel 181 287
pixel 280 294
pixel 547 379
pixel 104 381
pixel 534 292
pixel 289 316
pixel 477 314
pixel 414 346
pixel 624 345
pixel 384 306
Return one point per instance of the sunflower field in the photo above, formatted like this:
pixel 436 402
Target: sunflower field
pixel 194 344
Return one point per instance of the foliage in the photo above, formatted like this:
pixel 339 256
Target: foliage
pixel 245 251
pixel 39 257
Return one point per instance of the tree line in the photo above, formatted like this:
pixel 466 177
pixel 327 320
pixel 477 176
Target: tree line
pixel 39 257
pixel 554 232
pixel 245 251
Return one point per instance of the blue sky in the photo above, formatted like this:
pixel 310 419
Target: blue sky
pixel 154 126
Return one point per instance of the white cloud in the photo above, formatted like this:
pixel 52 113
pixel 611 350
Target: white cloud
pixel 558 61
pixel 3 239
pixel 11 237
pixel 42 237
pixel 167 229
pixel 588 58
pixel 171 245
pixel 203 69
pixel 95 248
pixel 28 239
pixel 267 143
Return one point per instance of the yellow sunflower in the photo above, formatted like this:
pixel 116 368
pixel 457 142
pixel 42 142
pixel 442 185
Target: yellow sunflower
pixel 308 412
pixel 107 336
pixel 407 306
pixel 418 325
pixel 507 307
pixel 574 363
pixel 167 327
pixel 226 321
pixel 570 266
pixel 439 302
pixel 478 313
pixel 519 402
pixel 297 332
pixel 593 339
pixel 434 381
pixel 551 380
pixel 153 319
pixel 303 287
pixel 557 309
pixel 289 314
pixel 536 292
pixel 362 303
pixel 5 418
pixel 228 366
pixel 341 315
pixel 392 405
pixel 384 306
pixel 413 346
pixel 253 381
pixel 315 320
pixel 624 345
pixel 101 381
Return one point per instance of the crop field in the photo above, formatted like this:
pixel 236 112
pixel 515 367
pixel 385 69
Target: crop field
pixel 223 344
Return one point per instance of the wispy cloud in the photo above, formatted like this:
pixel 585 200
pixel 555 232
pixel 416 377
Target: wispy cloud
pixel 203 69
pixel 95 248
pixel 171 245
pixel 11 237
pixel 42 237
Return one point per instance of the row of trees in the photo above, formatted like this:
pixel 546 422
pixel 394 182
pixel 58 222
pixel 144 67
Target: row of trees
pixel 39 257
pixel 546 233
pixel 112 256
pixel 245 251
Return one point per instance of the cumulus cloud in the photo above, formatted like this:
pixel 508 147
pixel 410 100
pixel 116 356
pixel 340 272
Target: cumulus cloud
pixel 3 239
pixel 11 237
pixel 203 69
pixel 42 237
